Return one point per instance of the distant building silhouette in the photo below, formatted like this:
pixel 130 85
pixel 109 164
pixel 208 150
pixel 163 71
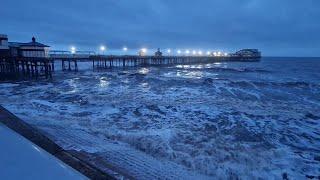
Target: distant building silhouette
pixel 251 53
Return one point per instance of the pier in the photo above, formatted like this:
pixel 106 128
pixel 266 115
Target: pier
pixel 103 62
pixel 132 61
pixel 24 67
pixel 19 60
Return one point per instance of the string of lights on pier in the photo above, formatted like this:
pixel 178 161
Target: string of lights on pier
pixel 144 51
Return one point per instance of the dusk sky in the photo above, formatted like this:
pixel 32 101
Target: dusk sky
pixel 276 27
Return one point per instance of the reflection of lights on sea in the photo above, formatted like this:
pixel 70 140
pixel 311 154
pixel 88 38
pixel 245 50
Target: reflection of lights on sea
pixel 72 83
pixel 190 66
pixel 144 71
pixel 183 66
pixel 103 82
pixel 145 85
pixel 194 74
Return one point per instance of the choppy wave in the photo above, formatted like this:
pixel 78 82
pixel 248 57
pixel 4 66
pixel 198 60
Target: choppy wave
pixel 181 123
pixel 224 68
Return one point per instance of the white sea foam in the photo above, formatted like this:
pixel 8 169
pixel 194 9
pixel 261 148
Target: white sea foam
pixel 184 122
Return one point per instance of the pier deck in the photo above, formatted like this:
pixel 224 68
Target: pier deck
pixel 22 67
pixel 99 61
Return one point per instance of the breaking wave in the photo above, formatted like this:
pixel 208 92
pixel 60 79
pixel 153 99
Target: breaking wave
pixel 182 122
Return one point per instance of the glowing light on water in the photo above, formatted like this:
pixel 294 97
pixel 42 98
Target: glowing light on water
pixel 145 85
pixel 73 85
pixel 103 82
pixel 194 75
pixel 144 71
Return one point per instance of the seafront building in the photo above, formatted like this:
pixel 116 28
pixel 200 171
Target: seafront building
pixel 4 47
pixel 249 53
pixel 19 49
pixel 21 60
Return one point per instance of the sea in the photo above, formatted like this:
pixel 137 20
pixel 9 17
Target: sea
pixel 224 120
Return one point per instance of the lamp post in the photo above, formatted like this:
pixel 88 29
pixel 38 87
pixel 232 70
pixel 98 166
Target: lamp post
pixel 102 49
pixel 187 52
pixel 143 52
pixel 169 51
pixel 73 50
pixel 124 49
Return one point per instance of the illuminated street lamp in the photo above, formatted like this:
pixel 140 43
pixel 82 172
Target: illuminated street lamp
pixel 168 51
pixel 73 50
pixel 225 54
pixel 208 53
pixel 125 49
pixel 102 49
pixel 200 53
pixel 187 52
pixel 179 52
pixel 194 52
pixel 143 52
